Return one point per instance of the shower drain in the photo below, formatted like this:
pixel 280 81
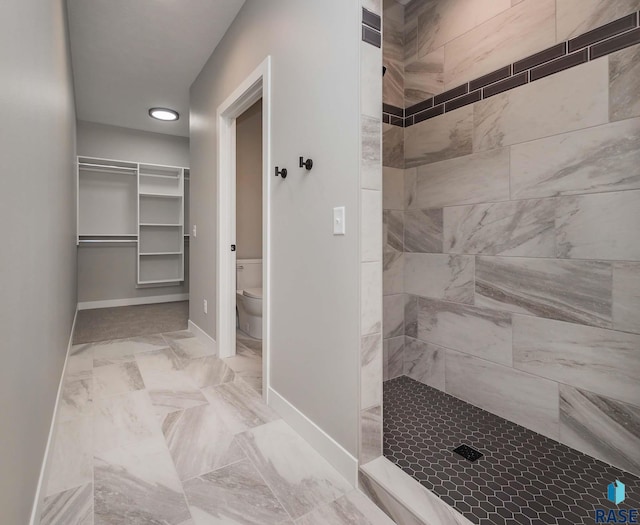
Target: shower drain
pixel 468 453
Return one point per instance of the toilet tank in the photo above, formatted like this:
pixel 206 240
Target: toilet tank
pixel 248 273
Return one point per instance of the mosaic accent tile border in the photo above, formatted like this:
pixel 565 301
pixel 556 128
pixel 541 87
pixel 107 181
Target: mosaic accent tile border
pixel 611 37
pixel 522 477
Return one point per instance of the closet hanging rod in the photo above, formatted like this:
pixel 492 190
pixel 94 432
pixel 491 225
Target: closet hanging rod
pixel 106 167
pixel 108 241
pixel 174 177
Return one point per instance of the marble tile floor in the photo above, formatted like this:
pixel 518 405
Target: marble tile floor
pixel 156 430
pixel 523 477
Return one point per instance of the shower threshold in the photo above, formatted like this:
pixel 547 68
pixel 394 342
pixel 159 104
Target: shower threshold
pixel 522 477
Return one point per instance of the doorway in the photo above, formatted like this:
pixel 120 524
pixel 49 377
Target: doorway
pixel 248 102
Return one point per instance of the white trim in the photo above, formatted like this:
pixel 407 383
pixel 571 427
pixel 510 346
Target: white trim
pixel 344 462
pixel 256 86
pixel 203 336
pixel 153 299
pixel 36 510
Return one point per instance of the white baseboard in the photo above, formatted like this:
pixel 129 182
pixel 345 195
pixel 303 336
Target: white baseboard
pixel 203 336
pixel 153 299
pixel 324 444
pixel 36 510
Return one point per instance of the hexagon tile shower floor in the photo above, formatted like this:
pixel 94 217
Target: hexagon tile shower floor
pixel 522 477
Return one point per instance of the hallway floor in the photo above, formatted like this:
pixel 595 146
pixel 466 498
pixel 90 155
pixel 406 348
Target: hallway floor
pixel 156 430
pixel 522 478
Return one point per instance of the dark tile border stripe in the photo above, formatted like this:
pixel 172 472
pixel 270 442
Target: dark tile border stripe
pixel 371 19
pixel 371 37
pixel 606 39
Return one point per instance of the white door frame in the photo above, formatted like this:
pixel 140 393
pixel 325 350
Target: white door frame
pixel 256 86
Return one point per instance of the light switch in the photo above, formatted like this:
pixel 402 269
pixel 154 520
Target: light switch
pixel 194 230
pixel 338 221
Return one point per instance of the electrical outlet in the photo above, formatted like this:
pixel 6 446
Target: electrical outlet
pixel 205 306
pixel 194 230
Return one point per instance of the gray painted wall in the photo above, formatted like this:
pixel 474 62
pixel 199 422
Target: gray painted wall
pixel 315 276
pixel 249 183
pixel 109 272
pixel 38 260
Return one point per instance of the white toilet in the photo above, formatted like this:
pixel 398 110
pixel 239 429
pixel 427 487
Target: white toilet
pixel 249 296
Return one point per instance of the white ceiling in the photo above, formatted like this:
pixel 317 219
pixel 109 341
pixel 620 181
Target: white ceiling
pixel 131 55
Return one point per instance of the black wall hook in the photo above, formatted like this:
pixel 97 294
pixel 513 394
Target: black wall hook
pixel 282 172
pixel 308 164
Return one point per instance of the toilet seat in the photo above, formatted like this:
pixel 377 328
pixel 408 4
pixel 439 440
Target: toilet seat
pixel 254 293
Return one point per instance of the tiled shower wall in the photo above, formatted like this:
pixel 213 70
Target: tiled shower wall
pixel 512 225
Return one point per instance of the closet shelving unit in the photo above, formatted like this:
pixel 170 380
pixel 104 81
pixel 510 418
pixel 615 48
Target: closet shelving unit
pixel 122 203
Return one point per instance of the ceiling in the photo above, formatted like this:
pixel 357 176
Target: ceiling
pixel 131 55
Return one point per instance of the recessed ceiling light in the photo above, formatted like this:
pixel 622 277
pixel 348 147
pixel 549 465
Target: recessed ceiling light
pixel 163 114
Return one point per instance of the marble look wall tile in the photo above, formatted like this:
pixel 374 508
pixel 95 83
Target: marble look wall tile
pixel 392 146
pixel 300 484
pixel 444 137
pixel 71 507
pixel 411 316
pixel 72 456
pixel 392 188
pixel 572 99
pixel 423 231
pixel 77 399
pixel 525 399
pixel 393 364
pixel 393 272
pixel 123 420
pixel 410 187
pixel 624 83
pixel 603 428
pixel 593 160
pixel 393 315
pixel 520 228
pixel 371 162
pixel 602 226
pixel 138 485
pixel 512 34
pixel 353 509
pixel 477 178
pixel 370 434
pixel 370 84
pixel 574 291
pixel 423 78
pixel 478 331
pixel 626 296
pixel 234 494
pixel 393 230
pixel 579 16
pixel 393 59
pixel 439 276
pixel 424 362
pixel 598 360
pixel 370 225
pixel 370 370
pixel 393 10
pixel 375 6
pixel 441 21
pixel 410 39
pixel 118 378
pixel 371 298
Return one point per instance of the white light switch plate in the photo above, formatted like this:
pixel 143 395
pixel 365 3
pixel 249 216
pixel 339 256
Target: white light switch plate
pixel 338 221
